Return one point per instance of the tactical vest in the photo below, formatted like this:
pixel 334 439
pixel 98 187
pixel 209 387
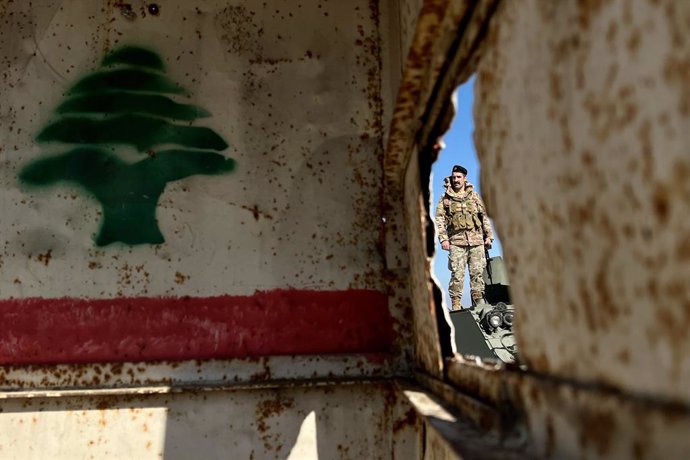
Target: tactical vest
pixel 463 213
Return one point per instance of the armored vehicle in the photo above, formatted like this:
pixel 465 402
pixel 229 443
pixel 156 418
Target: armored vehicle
pixel 486 330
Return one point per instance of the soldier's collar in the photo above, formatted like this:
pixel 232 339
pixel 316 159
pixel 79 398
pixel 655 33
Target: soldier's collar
pixel 461 193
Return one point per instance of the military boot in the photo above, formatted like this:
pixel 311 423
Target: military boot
pixel 479 303
pixel 478 298
pixel 455 304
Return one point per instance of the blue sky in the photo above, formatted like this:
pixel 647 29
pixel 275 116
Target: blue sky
pixel 459 150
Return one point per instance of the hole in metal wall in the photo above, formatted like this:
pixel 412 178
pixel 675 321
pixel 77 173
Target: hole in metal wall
pixel 468 265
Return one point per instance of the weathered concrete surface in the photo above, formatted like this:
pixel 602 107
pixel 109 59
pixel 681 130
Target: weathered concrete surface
pixel 583 130
pixel 326 422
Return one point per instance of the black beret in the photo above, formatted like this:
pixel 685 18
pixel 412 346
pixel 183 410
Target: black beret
pixel 458 168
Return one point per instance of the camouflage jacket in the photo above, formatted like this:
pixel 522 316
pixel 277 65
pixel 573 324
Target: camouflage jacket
pixel 461 218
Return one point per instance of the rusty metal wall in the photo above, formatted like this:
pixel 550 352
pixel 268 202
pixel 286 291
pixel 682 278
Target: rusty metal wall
pixel 225 311
pixel 420 70
pixel 294 104
pixel 545 417
pixel 580 116
pixel 426 332
pixel 303 422
pixel 582 128
pixel 274 221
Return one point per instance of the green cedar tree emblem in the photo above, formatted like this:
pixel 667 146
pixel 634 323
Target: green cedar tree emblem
pixel 127 103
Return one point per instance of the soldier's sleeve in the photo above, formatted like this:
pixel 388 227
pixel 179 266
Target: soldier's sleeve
pixel 441 221
pixel 486 223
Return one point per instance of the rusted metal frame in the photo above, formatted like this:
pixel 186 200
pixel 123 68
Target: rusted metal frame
pixel 484 415
pixel 249 424
pixel 435 416
pixel 419 100
pixel 180 388
pixel 541 399
pixel 429 353
pixel 604 422
pixel 437 115
pixel 418 86
pixel 436 29
pixel 458 370
pixel 216 373
pixel 420 71
pixel 463 57
pixel 448 433
pixel 506 425
pixel 460 61
pixel 441 27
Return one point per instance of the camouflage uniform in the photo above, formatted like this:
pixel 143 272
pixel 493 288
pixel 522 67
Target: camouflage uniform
pixel 461 218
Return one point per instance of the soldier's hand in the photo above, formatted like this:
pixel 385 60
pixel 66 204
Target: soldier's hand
pixel 445 245
pixel 487 243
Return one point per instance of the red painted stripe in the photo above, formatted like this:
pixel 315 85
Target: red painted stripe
pixel 280 322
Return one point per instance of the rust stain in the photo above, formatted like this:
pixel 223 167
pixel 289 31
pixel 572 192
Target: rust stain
pixel 78 375
pixel 597 429
pixel 240 31
pixel 587 10
pixel 611 111
pixel 271 408
pixel 677 72
pixel 105 403
pixel 45 258
pixel 661 203
pixel 606 308
pixel 624 356
pixel 180 278
pixel 264 374
pixel 644 135
pixel 256 212
pixel 683 248
pixel 633 41
pixel 410 419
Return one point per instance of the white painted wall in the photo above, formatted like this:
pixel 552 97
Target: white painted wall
pixel 295 92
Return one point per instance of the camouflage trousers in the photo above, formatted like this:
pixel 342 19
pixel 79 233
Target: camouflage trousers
pixel 460 257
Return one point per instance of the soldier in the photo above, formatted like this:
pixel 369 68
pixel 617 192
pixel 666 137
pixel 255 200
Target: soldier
pixel 463 230
pixel 446 183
